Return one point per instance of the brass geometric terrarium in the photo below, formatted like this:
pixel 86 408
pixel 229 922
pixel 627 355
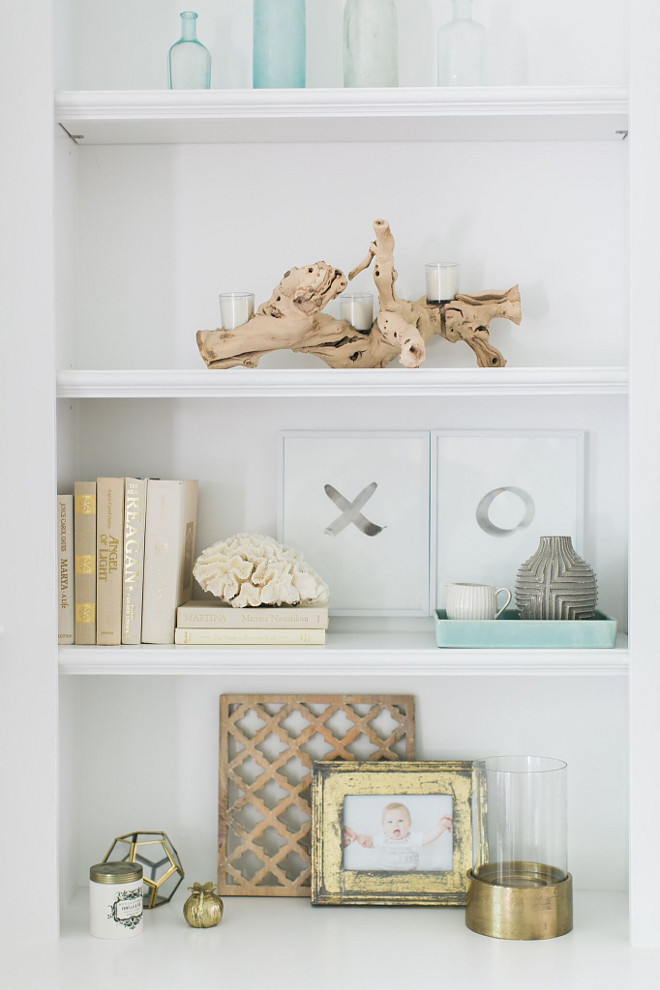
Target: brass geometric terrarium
pixel 162 869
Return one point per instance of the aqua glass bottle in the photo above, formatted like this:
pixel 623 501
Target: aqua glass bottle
pixel 462 49
pixel 279 44
pixel 371 43
pixel 190 61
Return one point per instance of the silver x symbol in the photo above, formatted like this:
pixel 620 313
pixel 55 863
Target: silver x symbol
pixel 351 511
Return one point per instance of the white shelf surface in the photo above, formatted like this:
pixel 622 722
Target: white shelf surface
pixel 286 115
pixel 346 653
pixel 287 944
pixel 262 382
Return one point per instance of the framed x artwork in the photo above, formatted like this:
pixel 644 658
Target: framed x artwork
pixel 356 505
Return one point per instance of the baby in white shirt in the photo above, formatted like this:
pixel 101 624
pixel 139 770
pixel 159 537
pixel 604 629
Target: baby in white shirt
pixel 397 845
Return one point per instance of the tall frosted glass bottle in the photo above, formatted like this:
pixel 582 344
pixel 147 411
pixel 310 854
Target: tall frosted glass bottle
pixel 279 44
pixel 462 49
pixel 371 43
pixel 190 61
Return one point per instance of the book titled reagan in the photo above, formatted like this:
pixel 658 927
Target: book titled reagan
pixel 215 614
pixel 169 546
pixel 135 504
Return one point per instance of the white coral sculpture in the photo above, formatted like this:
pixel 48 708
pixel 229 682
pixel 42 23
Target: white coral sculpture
pixel 251 569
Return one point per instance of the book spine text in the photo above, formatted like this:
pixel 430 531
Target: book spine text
pixel 65 599
pixel 109 559
pixel 84 537
pixel 135 498
pixel 250 637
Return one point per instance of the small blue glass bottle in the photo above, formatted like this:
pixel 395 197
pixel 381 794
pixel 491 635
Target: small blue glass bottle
pixel 190 61
pixel 279 46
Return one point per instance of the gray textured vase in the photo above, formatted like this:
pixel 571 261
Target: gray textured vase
pixel 555 583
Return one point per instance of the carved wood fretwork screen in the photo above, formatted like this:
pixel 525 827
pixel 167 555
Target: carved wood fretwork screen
pixel 268 744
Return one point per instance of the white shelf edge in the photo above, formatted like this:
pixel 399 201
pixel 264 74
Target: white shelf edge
pixel 389 654
pixel 435 113
pixel 598 946
pixel 237 382
pixel 358 102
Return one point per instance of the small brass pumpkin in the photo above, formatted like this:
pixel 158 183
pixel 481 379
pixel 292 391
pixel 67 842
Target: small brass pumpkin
pixel 204 907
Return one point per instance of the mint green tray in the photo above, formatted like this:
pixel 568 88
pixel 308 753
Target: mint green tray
pixel 510 631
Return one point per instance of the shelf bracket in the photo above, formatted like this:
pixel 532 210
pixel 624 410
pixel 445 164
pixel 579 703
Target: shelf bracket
pixel 622 134
pixel 76 138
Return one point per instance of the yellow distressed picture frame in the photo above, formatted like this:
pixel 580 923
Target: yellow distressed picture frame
pixel 428 786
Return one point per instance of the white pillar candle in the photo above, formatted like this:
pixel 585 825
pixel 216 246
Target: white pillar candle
pixel 236 308
pixel 441 281
pixel 358 309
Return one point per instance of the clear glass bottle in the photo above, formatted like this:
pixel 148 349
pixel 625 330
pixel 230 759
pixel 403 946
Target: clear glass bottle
pixel 462 49
pixel 279 44
pixel 371 43
pixel 190 61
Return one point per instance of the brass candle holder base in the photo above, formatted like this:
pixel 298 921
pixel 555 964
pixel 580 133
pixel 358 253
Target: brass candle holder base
pixel 520 901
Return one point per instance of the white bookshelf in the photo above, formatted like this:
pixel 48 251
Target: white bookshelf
pixel 555 162
pixel 405 114
pixel 298 383
pixel 331 946
pixel 353 654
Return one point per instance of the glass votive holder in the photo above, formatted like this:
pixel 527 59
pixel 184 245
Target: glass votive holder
pixel 236 308
pixel 441 281
pixel 358 309
pixel 519 886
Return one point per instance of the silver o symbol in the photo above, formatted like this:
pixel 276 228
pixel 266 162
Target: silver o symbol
pixel 483 509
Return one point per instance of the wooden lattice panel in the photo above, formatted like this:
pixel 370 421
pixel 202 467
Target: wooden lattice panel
pixel 268 744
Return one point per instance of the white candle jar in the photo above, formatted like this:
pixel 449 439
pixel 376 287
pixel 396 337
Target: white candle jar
pixel 441 281
pixel 236 308
pixel 115 900
pixel 358 309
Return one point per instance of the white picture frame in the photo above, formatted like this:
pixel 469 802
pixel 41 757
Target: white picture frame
pixel 357 506
pixel 493 494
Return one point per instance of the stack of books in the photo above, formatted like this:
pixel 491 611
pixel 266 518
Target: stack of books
pixel 126 552
pixel 214 623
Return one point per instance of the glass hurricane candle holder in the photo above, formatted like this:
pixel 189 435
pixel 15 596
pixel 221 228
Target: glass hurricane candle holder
pixel 519 886
pixel 358 309
pixel 236 308
pixel 441 281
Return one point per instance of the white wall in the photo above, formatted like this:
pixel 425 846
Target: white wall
pixel 28 645
pixel 232 446
pixel 163 230
pixel 170 780
pixel 124 45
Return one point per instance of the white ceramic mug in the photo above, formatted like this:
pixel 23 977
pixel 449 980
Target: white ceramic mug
pixel 475 601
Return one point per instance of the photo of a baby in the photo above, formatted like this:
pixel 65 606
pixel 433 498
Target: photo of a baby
pixel 398 833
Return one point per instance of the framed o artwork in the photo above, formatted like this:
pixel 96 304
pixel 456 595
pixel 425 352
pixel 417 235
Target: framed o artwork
pixel 357 506
pixel 494 494
pixel 391 834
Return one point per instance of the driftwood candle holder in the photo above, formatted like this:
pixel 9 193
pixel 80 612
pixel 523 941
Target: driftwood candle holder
pixel 292 319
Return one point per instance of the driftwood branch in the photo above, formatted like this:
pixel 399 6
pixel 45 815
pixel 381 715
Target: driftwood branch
pixel 292 319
